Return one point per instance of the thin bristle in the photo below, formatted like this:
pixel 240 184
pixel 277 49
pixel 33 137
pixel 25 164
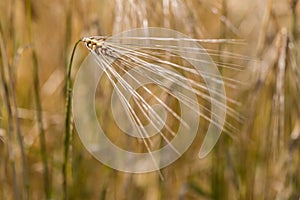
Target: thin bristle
pixel 157 59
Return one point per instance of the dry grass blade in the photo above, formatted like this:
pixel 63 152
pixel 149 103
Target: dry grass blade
pixel 11 151
pixel 278 119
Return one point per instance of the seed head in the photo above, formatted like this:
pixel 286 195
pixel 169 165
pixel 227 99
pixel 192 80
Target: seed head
pixel 93 43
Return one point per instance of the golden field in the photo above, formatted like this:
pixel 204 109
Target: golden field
pixel 259 159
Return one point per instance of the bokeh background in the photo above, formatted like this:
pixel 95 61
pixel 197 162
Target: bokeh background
pixel 261 158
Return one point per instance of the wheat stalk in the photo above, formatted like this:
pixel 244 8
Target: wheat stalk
pixel 159 60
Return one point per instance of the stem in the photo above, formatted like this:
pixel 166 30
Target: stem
pixel 222 32
pixel 11 153
pixel 294 14
pixel 68 122
pixel 294 26
pixel 265 24
pixel 15 115
pixel 42 138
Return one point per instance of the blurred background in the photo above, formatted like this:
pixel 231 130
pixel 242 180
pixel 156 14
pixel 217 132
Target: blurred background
pixel 259 160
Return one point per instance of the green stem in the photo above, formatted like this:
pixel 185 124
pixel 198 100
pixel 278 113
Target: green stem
pixel 11 152
pixel 42 138
pixel 11 88
pixel 68 122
